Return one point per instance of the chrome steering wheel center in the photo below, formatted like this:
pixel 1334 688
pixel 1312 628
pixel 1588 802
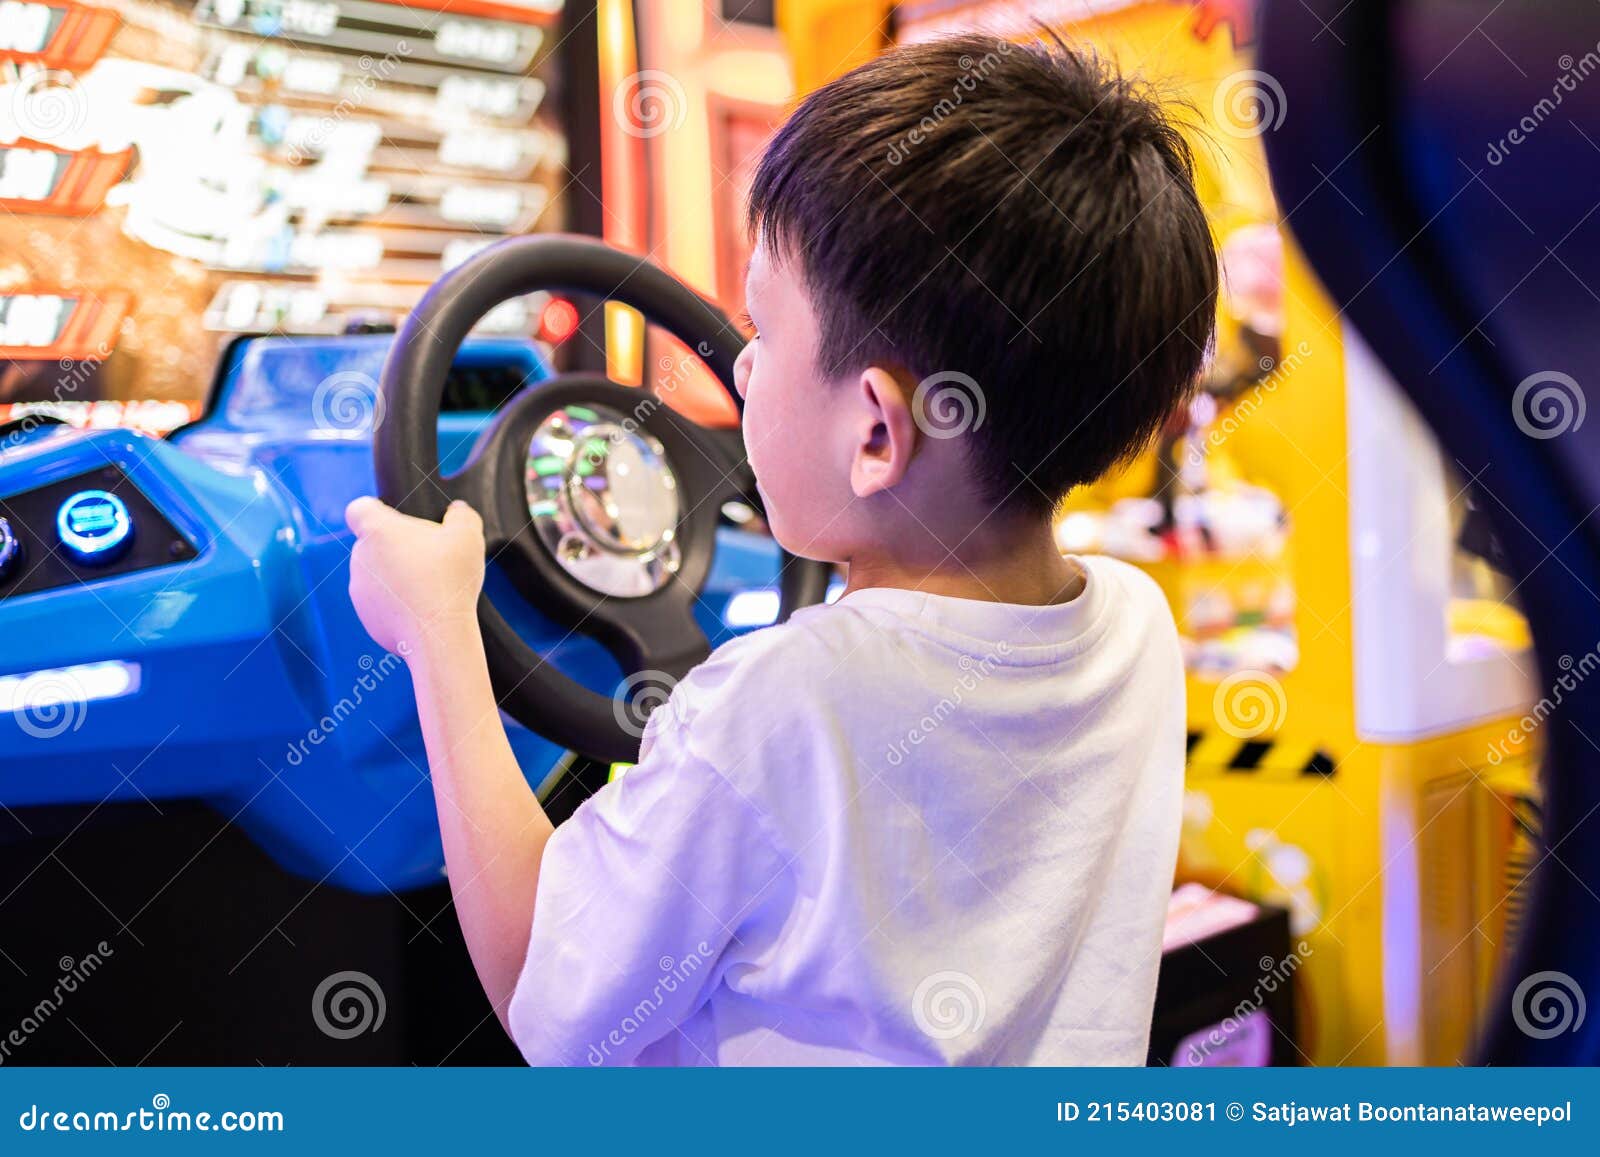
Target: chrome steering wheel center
pixel 604 500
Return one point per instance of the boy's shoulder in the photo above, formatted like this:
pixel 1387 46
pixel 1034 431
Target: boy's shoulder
pixel 766 666
pixel 1141 608
pixel 793 668
pixel 1141 591
pixel 770 690
pixel 799 697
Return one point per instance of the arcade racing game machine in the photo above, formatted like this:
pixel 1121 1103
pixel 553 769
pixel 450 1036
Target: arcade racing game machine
pixel 1365 700
pixel 217 837
pixel 167 911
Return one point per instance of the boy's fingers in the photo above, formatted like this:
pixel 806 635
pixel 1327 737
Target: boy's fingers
pixel 364 514
pixel 460 516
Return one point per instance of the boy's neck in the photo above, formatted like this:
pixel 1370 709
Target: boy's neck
pixel 1013 561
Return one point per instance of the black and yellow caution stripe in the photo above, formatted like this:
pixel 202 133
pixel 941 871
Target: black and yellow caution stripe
pixel 1522 856
pixel 1218 753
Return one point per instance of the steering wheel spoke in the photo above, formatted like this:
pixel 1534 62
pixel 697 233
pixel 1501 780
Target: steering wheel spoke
pixel 481 481
pixel 665 639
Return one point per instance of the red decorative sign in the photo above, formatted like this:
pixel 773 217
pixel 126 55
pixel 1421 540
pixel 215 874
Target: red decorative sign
pixel 519 11
pixel 67 35
pixel 60 325
pixel 39 178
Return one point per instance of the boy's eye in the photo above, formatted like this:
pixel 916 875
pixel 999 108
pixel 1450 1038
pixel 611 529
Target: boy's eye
pixel 747 324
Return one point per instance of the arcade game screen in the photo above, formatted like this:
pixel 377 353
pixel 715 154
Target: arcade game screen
pixel 177 172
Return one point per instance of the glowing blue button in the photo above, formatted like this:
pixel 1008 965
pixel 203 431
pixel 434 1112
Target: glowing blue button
pixel 94 526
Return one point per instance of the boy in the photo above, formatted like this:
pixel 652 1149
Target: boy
pixel 937 821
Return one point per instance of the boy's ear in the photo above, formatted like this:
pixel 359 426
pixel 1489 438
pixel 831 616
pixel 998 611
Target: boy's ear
pixel 888 434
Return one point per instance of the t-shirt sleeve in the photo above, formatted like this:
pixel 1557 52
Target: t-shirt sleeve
pixel 642 896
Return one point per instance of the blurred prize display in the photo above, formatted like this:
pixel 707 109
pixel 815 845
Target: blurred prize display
pixel 244 166
pixel 1222 559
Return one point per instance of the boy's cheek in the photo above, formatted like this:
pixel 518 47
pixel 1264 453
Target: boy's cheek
pixel 757 429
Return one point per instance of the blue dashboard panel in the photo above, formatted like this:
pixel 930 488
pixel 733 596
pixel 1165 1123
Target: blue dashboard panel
pixel 88 526
pixel 234 669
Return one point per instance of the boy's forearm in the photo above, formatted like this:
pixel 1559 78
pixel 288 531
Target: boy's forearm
pixel 494 829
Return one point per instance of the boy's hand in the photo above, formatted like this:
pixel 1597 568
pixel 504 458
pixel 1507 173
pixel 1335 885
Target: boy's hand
pixel 409 577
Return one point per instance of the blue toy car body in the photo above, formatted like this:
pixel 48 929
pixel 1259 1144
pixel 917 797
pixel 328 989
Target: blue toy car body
pixel 233 668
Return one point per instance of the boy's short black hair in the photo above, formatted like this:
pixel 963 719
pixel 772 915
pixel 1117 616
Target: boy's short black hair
pixel 1016 215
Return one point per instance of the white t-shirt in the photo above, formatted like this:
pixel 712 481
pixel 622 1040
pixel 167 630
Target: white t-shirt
pixel 903 829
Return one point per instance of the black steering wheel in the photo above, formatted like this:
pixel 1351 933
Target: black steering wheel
pixel 599 500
